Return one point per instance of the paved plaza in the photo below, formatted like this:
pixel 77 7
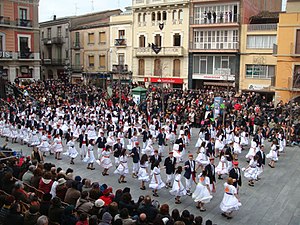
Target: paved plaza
pixel 275 199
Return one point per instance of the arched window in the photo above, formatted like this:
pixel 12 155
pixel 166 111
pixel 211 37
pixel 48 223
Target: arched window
pixel 144 17
pixel 153 16
pixel 159 16
pixel 164 16
pixel 180 14
pixel 157 67
pixel 174 17
pixel 139 17
pixel 176 68
pixel 141 67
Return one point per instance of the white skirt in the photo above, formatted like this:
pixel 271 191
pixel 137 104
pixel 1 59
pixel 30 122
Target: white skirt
pixel 237 148
pixel 201 194
pixel 176 190
pixel 251 173
pixel 89 159
pixel 143 175
pixel 44 146
pixel 229 203
pixel 122 169
pixel 105 162
pixel 159 185
pixel 272 155
pixel 219 145
pixel 222 168
pixel 72 152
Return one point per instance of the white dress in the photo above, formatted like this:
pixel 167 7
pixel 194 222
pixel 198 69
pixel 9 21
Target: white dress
pixel 72 152
pixel 230 202
pixel 251 172
pixel 202 158
pixel 201 193
pixel 105 161
pixel 44 146
pixel 201 138
pixel 156 182
pixel 273 153
pixel 34 139
pixel 222 166
pixel 251 153
pixel 1 127
pixel 142 174
pixel 6 131
pixel 14 132
pixel 91 132
pixel 90 157
pixel 57 145
pixel 244 139
pixel 219 143
pixel 178 189
pixel 122 169
pixel 236 145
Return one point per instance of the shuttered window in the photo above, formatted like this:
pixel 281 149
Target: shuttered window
pixel 297 50
pixel 91 38
pixel 102 37
pixel 176 68
pixel 102 61
pixel 91 61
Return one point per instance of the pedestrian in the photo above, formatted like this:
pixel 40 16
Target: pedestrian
pixel 178 189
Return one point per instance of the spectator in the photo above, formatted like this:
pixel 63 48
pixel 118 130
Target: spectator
pixel 185 217
pixel 83 205
pixel 106 219
pixel 72 194
pixel 69 217
pixel 15 216
pixel 26 178
pixel 87 185
pixel 164 214
pixel 8 183
pixel 175 215
pixel 124 216
pixel 56 211
pixel 126 202
pixel 19 193
pixel 106 197
pixel 61 188
pixel 93 220
pixel 32 215
pixel 83 219
pixel 142 220
pixel 4 211
pixel 97 207
pixel 95 191
pixel 148 209
pixel 46 183
pixel 42 220
pixel 37 175
pixel 45 204
pixel 198 220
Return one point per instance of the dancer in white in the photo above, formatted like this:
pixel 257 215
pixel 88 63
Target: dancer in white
pixel 72 152
pixel 251 171
pixel 202 159
pixel 90 157
pixel 105 161
pixel 222 169
pixel 44 147
pixel 122 169
pixel 58 146
pixel 202 193
pixel 273 154
pixel 143 175
pixel 178 189
pixel 156 182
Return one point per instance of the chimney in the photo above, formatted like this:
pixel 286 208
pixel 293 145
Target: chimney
pixel 54 17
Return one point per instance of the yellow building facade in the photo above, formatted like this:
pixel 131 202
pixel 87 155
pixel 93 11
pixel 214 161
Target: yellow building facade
pixel 288 54
pixel 257 62
pixel 161 41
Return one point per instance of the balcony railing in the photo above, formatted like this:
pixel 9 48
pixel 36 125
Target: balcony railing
pixel 5 20
pixel 47 41
pixel 77 68
pixel 76 45
pixel 23 23
pixel 235 18
pixel 120 68
pixel 165 51
pixel 58 62
pixel 25 55
pixel 262 27
pixel 215 46
pixel 121 42
pixel 58 40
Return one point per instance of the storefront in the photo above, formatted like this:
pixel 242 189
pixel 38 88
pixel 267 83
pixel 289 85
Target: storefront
pixel 176 83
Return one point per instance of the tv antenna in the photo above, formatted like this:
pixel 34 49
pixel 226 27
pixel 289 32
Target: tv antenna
pixel 92 2
pixel 76 8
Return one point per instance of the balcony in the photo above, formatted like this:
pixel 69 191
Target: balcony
pixel 262 27
pixel 58 62
pixel 23 23
pixel 47 41
pixel 165 51
pixel 5 20
pixel 46 62
pixel 121 42
pixel 155 2
pixel 77 68
pixel 76 46
pixel 234 20
pixel 25 55
pixel 215 46
pixel 58 40
pixel 120 68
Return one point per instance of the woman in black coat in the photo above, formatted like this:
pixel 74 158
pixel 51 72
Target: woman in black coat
pixel 15 216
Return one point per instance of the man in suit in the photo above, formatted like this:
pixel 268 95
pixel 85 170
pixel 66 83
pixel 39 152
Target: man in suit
pixel 155 158
pixel 190 173
pixel 135 154
pixel 258 137
pixel 161 141
pixel 261 160
pixel 145 134
pixel 58 131
pixel 169 164
pixel 101 142
pixel 229 155
pixel 235 174
pixel 83 143
pixel 211 147
pixel 211 173
pixel 117 148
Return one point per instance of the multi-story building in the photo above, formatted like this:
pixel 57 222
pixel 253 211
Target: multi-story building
pixel 257 62
pixel 90 50
pixel 55 48
pixel 288 53
pixel 215 38
pixel 160 40
pixel 121 46
pixel 19 39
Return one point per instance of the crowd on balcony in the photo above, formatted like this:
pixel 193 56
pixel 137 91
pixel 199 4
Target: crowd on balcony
pixel 50 113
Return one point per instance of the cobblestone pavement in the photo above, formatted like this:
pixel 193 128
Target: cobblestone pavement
pixel 275 199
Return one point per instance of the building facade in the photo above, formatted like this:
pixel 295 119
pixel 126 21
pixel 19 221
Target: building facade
pixel 160 42
pixel 19 40
pixel 121 42
pixel 257 62
pixel 55 48
pixel 90 46
pixel 215 32
pixel 288 53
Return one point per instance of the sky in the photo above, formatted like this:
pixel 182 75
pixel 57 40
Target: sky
pixel 62 8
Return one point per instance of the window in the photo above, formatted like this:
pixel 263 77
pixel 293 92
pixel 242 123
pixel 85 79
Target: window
pixel 67 53
pixel 297 50
pixel 159 16
pixel 1 43
pixel 91 61
pixel 67 33
pixel 157 67
pixel 164 16
pixel 144 17
pixel 174 15
pixel 24 44
pixel 142 41
pixel 121 34
pixel 296 77
pixel 139 17
pixel 77 59
pixel 260 71
pixel 157 40
pixel 102 61
pixel 91 38
pixel 180 15
pixel 176 67
pixel 121 59
pixel 23 14
pixel 59 53
pixel 176 40
pixel 153 16
pixel 77 39
pixel 49 33
pixel 43 35
pixel 102 37
pixel 141 67
pixel 261 41
pixel 58 31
